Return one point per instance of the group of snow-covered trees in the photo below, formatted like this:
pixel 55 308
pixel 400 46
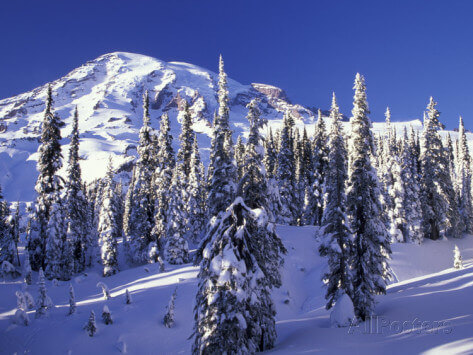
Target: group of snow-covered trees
pixel 365 191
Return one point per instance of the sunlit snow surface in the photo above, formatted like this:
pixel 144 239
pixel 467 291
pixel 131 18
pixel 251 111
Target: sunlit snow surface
pixel 427 309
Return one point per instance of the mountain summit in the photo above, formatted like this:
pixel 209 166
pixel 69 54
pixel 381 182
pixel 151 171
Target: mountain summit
pixel 108 94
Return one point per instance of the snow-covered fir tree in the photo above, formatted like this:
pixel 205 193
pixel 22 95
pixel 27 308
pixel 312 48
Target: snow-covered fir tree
pixel 186 139
pixel 270 155
pixel 7 237
pixel 128 299
pixel 47 184
pixel 464 185
pixel 141 211
pixel 315 203
pixel 27 269
pixel 43 302
pixel 337 242
pixel 439 210
pixel 176 248
pixel 196 204
pixel 91 327
pixel 411 204
pixel 106 315
pixel 72 300
pixel 165 162
pixel 109 226
pixel 372 249
pixel 239 156
pixel 168 319
pixel 227 273
pixel 265 245
pixel 76 203
pixel 222 169
pixel 285 173
pixel 457 258
pixel 59 259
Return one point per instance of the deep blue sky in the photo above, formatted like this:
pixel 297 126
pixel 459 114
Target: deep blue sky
pixel 407 50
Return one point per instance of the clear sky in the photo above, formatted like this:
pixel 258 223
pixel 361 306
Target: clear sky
pixel 407 50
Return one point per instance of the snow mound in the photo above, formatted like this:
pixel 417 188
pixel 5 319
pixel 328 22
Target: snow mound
pixel 343 313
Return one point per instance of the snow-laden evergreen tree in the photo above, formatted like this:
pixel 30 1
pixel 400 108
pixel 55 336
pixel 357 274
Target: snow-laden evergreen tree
pixel 91 327
pixel 300 182
pixel 222 168
pixel 169 316
pixel 464 185
pixel 21 317
pixel 307 160
pixel 386 158
pixel 27 269
pixel 43 302
pixel 47 184
pixel 411 204
pixel 127 297
pixel 265 245
pixel 337 243
pixel 76 203
pixel 228 271
pixel 196 204
pixel 15 223
pixel 314 207
pixel 239 156
pixel 439 208
pixel 270 154
pixel 285 174
pixel 109 226
pixel 106 315
pixel 165 162
pixel 370 262
pixel 186 139
pixel 59 262
pixel 105 290
pixel 457 258
pixel 176 248
pixel 72 300
pixel 7 236
pixel 141 211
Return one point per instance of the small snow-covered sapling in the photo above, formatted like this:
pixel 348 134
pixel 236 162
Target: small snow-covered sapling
pixel 161 264
pixel 105 290
pixel 127 297
pixel 106 315
pixel 43 302
pixel 72 300
pixel 91 327
pixel 21 317
pixel 27 270
pixel 457 258
pixel 169 316
pixel 29 300
pixel 20 300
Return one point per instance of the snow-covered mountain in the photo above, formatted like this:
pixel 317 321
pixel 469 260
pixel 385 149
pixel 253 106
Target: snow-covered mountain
pixel 108 93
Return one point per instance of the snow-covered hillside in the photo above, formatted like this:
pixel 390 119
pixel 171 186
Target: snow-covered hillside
pixel 428 308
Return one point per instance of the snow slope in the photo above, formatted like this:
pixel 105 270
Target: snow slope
pixel 428 293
